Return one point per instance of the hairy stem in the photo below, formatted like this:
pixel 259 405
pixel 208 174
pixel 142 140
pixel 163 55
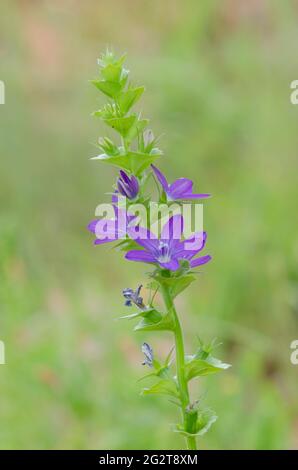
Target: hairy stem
pixel 180 364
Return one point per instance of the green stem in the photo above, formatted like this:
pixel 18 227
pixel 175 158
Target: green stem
pixel 180 364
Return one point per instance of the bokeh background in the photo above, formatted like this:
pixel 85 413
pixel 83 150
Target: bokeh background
pixel 218 76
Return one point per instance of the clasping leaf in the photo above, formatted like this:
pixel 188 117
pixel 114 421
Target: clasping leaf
pixel 195 366
pixel 205 419
pixel 147 323
pixel 129 97
pixel 163 387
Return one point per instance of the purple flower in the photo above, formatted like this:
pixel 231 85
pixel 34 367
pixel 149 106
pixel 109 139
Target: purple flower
pixel 180 189
pixel 133 296
pixel 168 250
pixel 110 230
pixel 128 186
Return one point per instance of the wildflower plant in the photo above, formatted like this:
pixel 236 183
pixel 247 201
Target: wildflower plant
pixel 173 257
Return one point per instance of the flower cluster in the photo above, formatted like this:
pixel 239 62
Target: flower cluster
pixel 173 256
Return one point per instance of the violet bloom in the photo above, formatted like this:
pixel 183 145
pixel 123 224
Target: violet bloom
pixel 128 186
pixel 180 189
pixel 115 228
pixel 133 296
pixel 168 250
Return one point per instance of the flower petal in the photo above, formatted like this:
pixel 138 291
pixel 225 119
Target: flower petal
pixel 144 237
pixel 140 255
pixel 123 188
pixel 173 228
pixel 161 178
pixel 115 197
pixel 125 177
pixel 134 185
pixel 173 265
pixel 180 187
pixel 195 196
pixel 190 247
pixel 200 261
pixel 99 241
pixel 92 226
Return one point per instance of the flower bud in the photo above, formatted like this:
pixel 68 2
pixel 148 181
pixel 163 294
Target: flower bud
pixel 128 186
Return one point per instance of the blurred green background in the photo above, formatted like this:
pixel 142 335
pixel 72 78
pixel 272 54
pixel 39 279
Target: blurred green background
pixel 218 76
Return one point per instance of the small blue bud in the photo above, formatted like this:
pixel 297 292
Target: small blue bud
pixel 132 296
pixel 148 352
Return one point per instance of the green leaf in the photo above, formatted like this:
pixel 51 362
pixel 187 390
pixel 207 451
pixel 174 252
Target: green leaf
pixel 108 111
pixel 163 387
pixel 112 72
pixel 128 98
pixel 168 358
pixel 206 349
pixel 108 147
pixel 150 314
pixel 151 320
pixel 162 372
pixel 127 245
pixel 111 89
pixel 147 324
pixel 181 284
pixel 195 367
pixel 122 161
pixel 205 420
pixel 134 162
pixel 176 284
pixel 109 57
pixel 141 161
pixel 137 128
pixel 121 124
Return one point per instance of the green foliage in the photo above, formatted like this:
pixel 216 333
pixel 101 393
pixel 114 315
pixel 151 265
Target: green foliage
pixel 176 283
pixel 198 367
pixel 112 82
pixel 203 420
pixel 148 324
pixel 134 162
pixel 113 75
pixel 227 121
pixel 151 320
pixel 162 387
pixel 166 384
pixel 203 363
pixel 151 314
pixel 111 89
pixel 129 97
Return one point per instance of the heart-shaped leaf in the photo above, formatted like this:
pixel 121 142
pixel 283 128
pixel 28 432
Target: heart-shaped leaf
pixel 176 285
pixel 110 89
pixel 205 419
pixel 199 367
pixel 148 324
pixel 163 387
pixel 134 162
pixel 129 97
pixel 122 124
pixel 150 314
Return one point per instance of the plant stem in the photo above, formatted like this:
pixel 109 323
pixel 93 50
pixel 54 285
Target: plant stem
pixel 180 363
